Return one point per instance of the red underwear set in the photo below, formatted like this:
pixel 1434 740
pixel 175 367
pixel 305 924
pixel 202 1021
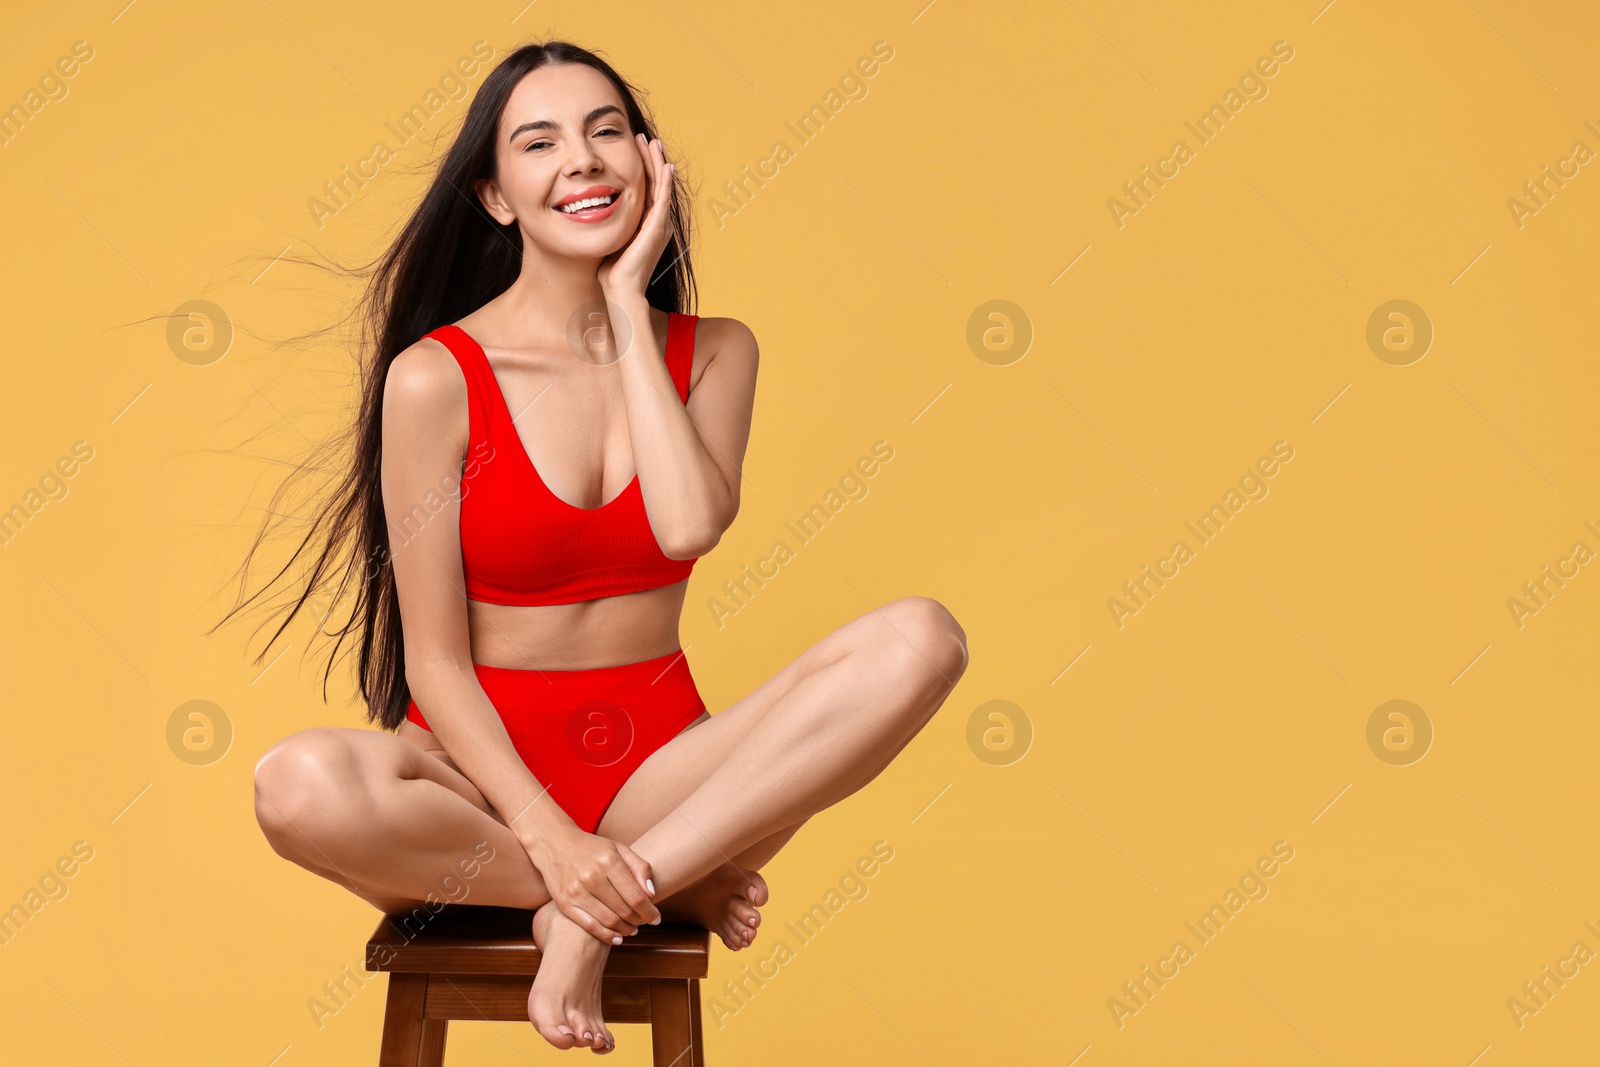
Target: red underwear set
pixel 582 733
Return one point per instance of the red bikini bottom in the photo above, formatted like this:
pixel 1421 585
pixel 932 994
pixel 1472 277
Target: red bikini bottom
pixel 583 733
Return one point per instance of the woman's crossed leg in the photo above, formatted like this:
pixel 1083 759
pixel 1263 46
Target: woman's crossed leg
pixel 401 827
pixel 716 802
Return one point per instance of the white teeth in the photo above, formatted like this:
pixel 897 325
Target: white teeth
pixel 579 205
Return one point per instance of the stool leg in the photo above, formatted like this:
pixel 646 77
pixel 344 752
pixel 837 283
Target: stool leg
pixel 402 1021
pixel 433 1034
pixel 696 1035
pixel 671 1032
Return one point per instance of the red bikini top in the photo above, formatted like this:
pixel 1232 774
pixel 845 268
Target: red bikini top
pixel 522 544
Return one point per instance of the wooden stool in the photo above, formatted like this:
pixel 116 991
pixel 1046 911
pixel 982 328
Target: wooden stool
pixel 478 962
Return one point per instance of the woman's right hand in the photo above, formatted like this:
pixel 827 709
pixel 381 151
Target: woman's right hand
pixel 600 884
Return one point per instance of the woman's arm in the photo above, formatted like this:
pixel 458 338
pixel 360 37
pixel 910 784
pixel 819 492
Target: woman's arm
pixel 425 432
pixel 689 456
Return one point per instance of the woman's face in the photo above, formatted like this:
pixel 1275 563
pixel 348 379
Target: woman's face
pixel 564 138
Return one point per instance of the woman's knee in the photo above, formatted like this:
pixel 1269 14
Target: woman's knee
pixel 305 778
pixel 926 634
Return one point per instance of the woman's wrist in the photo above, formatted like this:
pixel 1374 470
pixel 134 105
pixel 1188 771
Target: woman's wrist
pixel 632 307
pixel 541 837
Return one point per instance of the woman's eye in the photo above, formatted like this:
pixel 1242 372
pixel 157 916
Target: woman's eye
pixel 531 145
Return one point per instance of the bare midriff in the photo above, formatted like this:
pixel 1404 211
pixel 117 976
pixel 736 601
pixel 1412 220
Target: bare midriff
pixel 605 632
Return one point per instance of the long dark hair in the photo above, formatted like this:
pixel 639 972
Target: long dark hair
pixel 450 259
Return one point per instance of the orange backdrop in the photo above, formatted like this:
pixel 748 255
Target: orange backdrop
pixel 1228 373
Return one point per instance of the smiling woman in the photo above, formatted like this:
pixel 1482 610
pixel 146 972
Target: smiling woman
pixel 522 643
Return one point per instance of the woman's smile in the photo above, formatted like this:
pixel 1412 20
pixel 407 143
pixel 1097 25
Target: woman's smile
pixel 592 204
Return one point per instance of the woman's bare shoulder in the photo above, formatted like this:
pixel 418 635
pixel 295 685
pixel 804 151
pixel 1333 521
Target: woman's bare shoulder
pixel 424 382
pixel 724 339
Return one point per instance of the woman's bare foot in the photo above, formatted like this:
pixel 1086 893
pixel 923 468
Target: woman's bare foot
pixel 724 902
pixel 564 1003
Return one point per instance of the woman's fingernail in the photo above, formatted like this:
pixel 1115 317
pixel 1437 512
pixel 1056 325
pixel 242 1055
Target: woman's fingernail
pixel 650 885
pixel 616 940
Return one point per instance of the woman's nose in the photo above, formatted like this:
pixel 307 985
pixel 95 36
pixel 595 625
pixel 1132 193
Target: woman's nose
pixel 584 160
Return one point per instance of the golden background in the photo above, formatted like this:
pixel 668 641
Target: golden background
pixel 1041 859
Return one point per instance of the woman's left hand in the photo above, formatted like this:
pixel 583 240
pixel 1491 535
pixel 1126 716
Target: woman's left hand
pixel 625 273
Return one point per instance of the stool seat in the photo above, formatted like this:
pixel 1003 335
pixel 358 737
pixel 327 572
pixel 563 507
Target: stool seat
pixel 476 962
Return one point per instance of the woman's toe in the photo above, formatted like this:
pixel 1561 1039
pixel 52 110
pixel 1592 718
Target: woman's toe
pixel 755 890
pixel 559 1036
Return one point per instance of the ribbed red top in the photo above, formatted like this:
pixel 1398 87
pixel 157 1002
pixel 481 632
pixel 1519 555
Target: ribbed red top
pixel 522 544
